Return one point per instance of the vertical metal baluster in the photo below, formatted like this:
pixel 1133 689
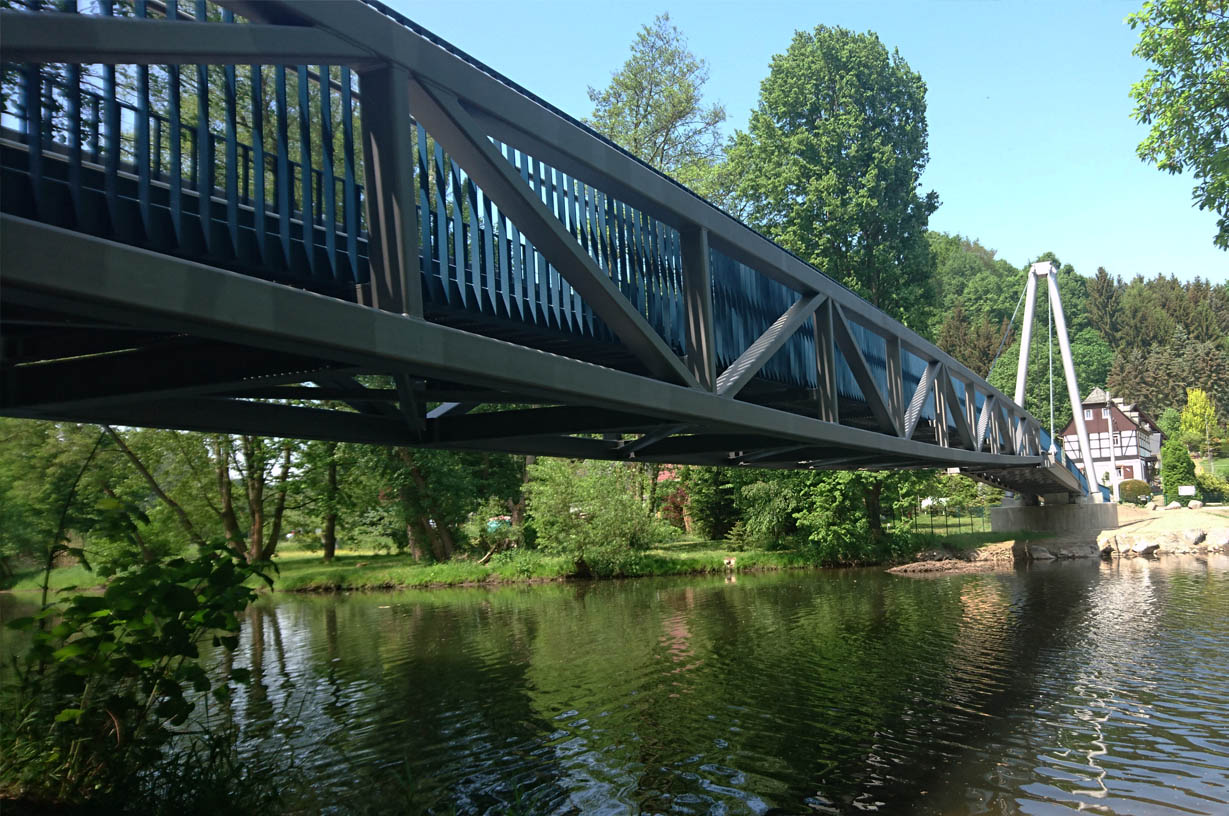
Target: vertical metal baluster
pixel 74 128
pixel 349 193
pixel 567 217
pixel 259 215
pixel 305 170
pixel 175 137
pixel 156 171
pixel 230 83
pixel 111 131
pixel 142 156
pixel 514 251
pixel 531 260
pixel 424 208
pixel 95 123
pixel 32 105
pixel 441 221
pixel 558 205
pixel 489 241
pixel 475 244
pixel 458 228
pixel 204 145
pixel 327 184
pixel 283 179
pixel 582 235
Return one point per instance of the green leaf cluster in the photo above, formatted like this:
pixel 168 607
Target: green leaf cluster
pixel 108 679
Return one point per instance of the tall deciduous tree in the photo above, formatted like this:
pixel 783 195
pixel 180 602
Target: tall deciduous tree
pixel 654 105
pixel 830 165
pixel 1183 96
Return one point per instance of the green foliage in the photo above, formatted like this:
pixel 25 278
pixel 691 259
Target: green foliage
pixel 1198 424
pixel 1182 96
pixel 769 507
pixel 1170 423
pixel 844 514
pixel 654 106
pixel 1133 491
pixel 1177 469
pixel 1212 487
pixel 830 162
pixel 109 678
pixel 588 511
pixel 710 500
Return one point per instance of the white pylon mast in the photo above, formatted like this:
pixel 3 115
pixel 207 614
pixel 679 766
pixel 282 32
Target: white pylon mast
pixel 1109 409
pixel 1026 336
pixel 1045 269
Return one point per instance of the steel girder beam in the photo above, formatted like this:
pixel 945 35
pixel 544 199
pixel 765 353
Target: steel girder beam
pixel 166 369
pixel 99 277
pixel 97 39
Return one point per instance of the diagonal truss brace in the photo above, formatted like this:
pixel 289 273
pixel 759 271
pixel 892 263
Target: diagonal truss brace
pixel 749 363
pixel 862 374
pixel 443 116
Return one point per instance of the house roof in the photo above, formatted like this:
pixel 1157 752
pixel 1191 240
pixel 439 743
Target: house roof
pixel 1097 424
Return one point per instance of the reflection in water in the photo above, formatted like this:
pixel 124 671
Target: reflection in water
pixel 1076 686
pixel 1067 687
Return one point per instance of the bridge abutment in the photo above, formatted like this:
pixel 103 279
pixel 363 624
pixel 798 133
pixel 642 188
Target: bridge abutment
pixel 1082 518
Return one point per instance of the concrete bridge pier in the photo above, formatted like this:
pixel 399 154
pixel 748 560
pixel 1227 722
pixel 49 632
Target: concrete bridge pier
pixel 1054 514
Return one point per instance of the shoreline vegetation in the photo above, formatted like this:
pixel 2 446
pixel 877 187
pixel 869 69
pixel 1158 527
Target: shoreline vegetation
pixel 349 571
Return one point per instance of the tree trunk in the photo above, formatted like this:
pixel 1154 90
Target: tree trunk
pixel 516 509
pixel 230 522
pixel 279 509
pixel 329 535
pixel 440 537
pixel 415 536
pixel 185 522
pixel 654 473
pixel 254 482
pixel 872 496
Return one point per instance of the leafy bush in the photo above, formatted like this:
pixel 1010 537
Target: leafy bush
pixel 108 678
pixel 588 511
pixel 1212 487
pixel 1177 470
pixel 1133 491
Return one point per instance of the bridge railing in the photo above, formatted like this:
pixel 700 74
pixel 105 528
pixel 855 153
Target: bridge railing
pixel 337 146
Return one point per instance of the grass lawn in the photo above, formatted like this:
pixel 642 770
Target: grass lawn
pixel 1221 466
pixel 351 570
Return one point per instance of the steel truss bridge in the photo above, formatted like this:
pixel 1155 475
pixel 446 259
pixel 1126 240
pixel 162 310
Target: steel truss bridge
pixel 318 220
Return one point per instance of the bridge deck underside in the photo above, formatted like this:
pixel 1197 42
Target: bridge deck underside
pixel 126 336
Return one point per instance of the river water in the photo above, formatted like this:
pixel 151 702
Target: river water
pixel 1090 686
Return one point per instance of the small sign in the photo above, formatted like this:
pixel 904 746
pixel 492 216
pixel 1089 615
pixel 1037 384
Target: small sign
pixel 1186 490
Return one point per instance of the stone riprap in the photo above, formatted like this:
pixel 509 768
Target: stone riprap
pixel 1182 531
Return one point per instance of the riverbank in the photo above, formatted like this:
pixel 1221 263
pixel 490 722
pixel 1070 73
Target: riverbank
pixel 300 571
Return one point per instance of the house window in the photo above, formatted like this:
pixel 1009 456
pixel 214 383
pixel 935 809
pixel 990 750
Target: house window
pixel 1105 413
pixel 1117 439
pixel 1087 413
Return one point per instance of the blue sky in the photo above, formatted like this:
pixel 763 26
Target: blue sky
pixel 1032 146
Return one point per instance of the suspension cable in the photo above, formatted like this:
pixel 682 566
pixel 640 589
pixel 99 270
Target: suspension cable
pixel 1007 333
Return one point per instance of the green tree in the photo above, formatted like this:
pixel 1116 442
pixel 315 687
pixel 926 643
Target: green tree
pixel 1198 424
pixel 1177 469
pixel 830 164
pixel 711 496
pixel 654 106
pixel 589 512
pixel 1183 96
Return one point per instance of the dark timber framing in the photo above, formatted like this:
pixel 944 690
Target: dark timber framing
pixel 214 346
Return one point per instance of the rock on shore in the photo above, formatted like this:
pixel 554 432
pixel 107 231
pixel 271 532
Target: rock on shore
pixel 1129 543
